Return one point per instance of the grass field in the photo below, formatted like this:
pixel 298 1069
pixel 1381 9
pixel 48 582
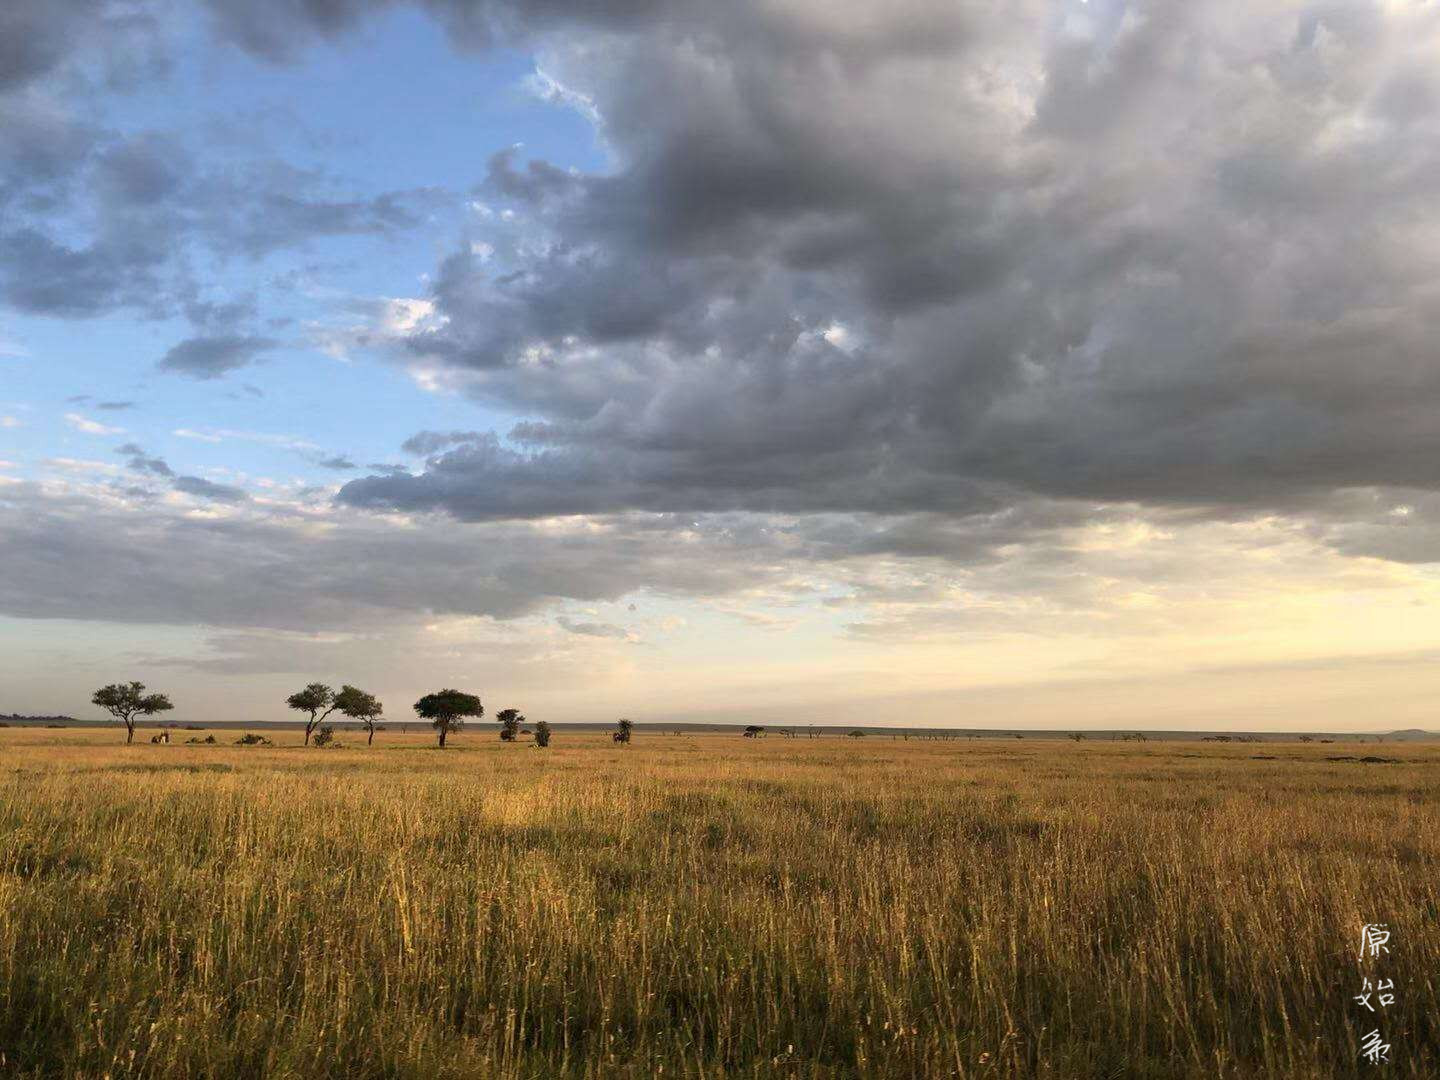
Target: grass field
pixel 706 906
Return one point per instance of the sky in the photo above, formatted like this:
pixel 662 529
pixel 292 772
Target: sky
pixel 1033 364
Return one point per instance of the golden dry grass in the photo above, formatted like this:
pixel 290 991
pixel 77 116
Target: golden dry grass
pixel 709 906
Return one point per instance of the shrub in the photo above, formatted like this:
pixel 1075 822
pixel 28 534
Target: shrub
pixel 251 739
pixel 325 736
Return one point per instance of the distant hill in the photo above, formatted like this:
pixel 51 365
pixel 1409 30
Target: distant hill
pixel 1413 733
pixel 16 718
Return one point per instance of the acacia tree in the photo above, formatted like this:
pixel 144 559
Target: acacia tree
pixel 542 734
pixel 126 701
pixel 447 709
pixel 358 705
pixel 510 721
pixel 625 729
pixel 318 700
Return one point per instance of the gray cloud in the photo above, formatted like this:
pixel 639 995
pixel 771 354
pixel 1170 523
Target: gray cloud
pixel 138 460
pixel 208 489
pixel 836 270
pixel 98 220
pixel 212 357
pixel 151 564
pixel 339 462
pixel 934 283
pixel 39 275
pixel 114 406
pixel 35 36
pixel 592 629
pixel 425 443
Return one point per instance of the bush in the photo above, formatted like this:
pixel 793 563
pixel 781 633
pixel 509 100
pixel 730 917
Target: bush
pixel 251 739
pixel 325 736
pixel 542 734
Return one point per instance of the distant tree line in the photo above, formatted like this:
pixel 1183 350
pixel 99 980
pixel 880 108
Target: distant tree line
pixel 446 710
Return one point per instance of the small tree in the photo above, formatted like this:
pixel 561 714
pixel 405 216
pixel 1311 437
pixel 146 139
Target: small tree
pixel 510 721
pixel 358 705
pixel 126 701
pixel 542 734
pixel 753 731
pixel 447 709
pixel 318 700
pixel 625 729
pixel 325 736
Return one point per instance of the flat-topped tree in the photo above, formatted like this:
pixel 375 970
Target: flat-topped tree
pixel 358 705
pixel 447 709
pixel 126 701
pixel 510 721
pixel 318 700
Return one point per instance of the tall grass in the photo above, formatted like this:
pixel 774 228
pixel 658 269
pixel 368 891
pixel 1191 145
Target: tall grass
pixel 710 906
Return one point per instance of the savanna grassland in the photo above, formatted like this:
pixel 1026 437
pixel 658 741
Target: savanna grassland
pixel 708 905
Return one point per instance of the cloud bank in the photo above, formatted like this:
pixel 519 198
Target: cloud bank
pixel 916 298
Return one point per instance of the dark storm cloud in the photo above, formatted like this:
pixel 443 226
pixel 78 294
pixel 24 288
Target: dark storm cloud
pixel 917 265
pixel 838 269
pixel 212 357
pixel 208 489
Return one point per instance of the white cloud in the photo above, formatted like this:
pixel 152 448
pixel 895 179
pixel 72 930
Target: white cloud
pixel 215 435
pixel 550 90
pixel 82 465
pixel 90 427
pixel 9 422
